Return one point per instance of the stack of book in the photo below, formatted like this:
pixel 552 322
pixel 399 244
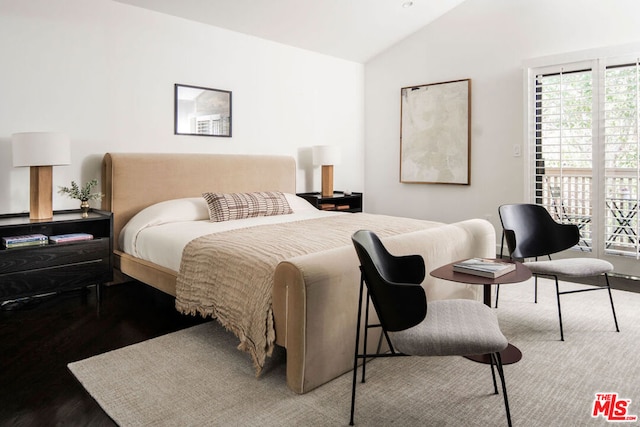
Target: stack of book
pixel 24 240
pixel 484 267
pixel 72 237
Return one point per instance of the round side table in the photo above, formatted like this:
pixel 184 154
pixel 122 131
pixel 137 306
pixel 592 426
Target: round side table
pixel 511 354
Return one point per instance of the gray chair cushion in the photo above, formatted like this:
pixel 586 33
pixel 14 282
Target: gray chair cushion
pixel 452 327
pixel 576 267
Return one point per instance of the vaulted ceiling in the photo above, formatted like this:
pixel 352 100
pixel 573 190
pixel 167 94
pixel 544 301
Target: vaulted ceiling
pixel 355 30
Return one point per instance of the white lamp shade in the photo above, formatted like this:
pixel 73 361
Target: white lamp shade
pixel 40 149
pixel 326 155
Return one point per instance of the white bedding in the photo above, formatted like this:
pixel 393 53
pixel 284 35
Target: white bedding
pixel 160 232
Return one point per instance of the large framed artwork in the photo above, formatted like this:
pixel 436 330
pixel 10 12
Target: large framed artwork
pixel 435 133
pixel 202 111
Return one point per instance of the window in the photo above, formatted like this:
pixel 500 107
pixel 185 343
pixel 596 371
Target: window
pixel 584 151
pixel 563 148
pixel 620 120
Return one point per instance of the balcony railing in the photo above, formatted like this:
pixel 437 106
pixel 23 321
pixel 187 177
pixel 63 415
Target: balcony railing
pixel 567 194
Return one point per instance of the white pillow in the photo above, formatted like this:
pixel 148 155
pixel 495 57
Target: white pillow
pixel 176 210
pixel 298 204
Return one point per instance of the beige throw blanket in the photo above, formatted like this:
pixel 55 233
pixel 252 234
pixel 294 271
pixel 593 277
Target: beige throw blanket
pixel 229 275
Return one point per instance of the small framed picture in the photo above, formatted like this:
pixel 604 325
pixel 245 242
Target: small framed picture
pixel 202 111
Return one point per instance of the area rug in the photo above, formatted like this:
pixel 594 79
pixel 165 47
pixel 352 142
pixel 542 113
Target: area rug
pixel 197 377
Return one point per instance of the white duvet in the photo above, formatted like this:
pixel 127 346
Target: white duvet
pixel 160 232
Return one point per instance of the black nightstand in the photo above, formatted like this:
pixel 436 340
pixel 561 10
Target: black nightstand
pixel 338 202
pixel 35 270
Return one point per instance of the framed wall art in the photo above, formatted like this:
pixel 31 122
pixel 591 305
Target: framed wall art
pixel 435 133
pixel 202 111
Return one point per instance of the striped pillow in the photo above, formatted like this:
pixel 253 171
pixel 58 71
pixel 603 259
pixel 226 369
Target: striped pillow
pixel 229 206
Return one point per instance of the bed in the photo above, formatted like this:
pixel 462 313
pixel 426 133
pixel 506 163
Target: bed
pixel 310 291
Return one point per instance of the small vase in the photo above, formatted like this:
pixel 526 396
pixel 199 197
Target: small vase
pixel 84 207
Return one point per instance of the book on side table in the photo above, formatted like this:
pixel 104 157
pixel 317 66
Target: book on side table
pixel 484 267
pixel 70 237
pixel 24 240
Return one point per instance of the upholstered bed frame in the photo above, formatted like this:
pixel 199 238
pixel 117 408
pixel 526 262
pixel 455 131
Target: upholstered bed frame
pixel 133 181
pixel 314 296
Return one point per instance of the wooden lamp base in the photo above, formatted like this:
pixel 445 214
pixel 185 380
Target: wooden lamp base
pixel 40 192
pixel 327 180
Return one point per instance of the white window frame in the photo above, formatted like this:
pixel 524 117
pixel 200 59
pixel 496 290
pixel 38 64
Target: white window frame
pixel 597 60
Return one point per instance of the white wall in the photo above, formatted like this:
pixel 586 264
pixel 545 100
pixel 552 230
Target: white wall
pixel 104 72
pixel 487 41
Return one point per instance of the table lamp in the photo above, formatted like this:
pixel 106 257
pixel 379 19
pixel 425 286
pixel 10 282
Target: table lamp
pixel 40 151
pixel 326 156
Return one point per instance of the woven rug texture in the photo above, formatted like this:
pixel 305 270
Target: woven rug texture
pixel 197 377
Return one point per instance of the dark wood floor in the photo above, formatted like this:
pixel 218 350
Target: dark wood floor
pixel 38 340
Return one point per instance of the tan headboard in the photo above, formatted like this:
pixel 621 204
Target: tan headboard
pixel 133 181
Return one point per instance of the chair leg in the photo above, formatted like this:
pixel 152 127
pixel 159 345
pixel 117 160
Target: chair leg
pixel 353 391
pixel 493 375
pixel 559 309
pixel 613 309
pixel 535 291
pixel 355 353
pixel 366 335
pixel 498 361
